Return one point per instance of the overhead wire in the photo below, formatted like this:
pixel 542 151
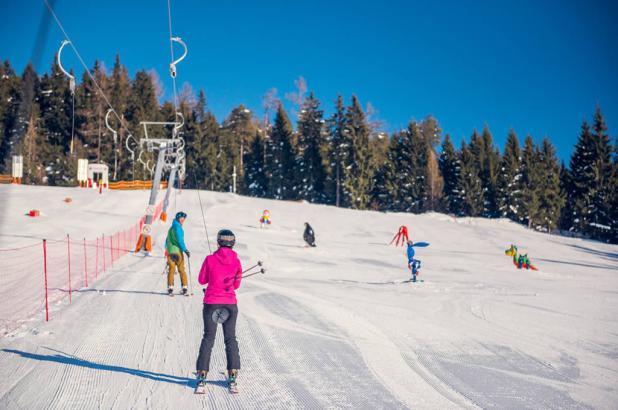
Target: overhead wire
pixel 87 70
pixel 174 87
pixel 169 19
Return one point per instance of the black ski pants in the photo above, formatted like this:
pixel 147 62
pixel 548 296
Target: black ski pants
pixel 210 331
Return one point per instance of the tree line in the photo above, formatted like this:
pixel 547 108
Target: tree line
pixel 343 159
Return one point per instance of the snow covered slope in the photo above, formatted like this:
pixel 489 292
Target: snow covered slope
pixel 326 327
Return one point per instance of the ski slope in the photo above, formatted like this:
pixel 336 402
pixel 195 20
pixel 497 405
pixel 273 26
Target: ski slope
pixel 327 327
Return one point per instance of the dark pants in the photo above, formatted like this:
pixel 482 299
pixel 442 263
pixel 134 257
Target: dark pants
pixel 229 335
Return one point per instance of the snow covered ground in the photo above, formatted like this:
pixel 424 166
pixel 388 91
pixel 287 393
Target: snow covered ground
pixel 325 327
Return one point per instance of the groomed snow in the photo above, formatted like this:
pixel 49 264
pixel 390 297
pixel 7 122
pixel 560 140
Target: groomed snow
pixel 325 327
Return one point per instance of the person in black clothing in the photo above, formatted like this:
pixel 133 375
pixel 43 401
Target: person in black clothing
pixel 309 235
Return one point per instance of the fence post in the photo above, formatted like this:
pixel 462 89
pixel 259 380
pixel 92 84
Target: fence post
pixel 45 273
pixel 103 249
pixel 96 269
pixel 69 258
pixel 85 263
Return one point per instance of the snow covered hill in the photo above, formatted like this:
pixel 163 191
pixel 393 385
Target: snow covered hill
pixel 329 327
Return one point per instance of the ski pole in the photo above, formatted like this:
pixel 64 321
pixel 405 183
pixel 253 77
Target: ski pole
pixel 260 263
pixel 190 281
pixel 254 273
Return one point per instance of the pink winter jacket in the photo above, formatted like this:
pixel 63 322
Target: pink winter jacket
pixel 222 272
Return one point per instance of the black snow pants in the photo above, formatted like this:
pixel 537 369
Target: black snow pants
pixel 210 314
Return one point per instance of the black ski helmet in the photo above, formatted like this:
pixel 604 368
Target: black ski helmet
pixel 180 215
pixel 226 238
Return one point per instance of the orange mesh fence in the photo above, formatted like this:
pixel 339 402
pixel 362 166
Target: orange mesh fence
pixel 137 184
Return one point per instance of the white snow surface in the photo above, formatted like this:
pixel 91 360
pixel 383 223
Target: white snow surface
pixel 329 327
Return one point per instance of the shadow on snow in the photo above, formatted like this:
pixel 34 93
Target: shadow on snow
pixel 64 358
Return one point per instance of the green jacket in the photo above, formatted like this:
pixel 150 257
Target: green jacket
pixel 175 242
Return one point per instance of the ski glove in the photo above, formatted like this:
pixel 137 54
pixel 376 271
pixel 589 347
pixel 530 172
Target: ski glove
pixel 188 253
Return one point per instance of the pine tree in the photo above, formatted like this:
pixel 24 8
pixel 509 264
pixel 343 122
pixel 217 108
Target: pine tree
pixel 237 132
pixel 531 182
pixel 432 134
pixel 550 197
pixel 338 148
pixel 119 94
pixel 399 172
pixel 32 147
pixel 379 146
pixel 509 181
pixel 310 168
pixel 449 168
pixel 358 174
pixel 601 218
pixel 143 106
pixel 280 158
pixel 256 180
pixel 566 213
pixel 10 85
pixel 489 174
pixel 90 122
pixel 27 103
pixel 420 151
pixel 205 156
pixel 614 196
pixel 56 126
pixel 469 184
pixel 583 180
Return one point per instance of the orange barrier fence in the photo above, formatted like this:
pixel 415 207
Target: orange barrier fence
pixel 6 179
pixel 137 184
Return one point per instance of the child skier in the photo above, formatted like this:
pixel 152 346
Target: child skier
pixel 265 219
pixel 222 272
pixel 175 246
pixel 414 264
pixel 309 235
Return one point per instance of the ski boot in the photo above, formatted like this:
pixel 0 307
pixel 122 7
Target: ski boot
pixel 185 291
pixel 231 381
pixel 170 291
pixel 200 388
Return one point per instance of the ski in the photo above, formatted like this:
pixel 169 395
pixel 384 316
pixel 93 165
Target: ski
pixel 200 388
pixel 232 386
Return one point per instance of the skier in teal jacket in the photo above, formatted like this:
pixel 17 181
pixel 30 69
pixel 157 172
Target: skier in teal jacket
pixel 175 247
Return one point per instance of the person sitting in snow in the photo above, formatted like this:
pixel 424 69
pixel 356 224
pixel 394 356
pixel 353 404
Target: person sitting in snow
pixel 309 235
pixel 265 219
pixel 175 247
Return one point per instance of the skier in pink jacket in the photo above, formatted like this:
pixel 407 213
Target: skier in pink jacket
pixel 222 272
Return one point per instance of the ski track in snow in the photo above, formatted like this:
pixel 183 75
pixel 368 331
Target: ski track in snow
pixel 335 326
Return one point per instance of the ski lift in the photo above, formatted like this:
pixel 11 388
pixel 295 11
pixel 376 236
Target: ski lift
pixel 71 77
pixel 115 134
pixel 173 64
pixel 71 87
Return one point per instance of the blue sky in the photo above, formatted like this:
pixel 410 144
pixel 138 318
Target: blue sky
pixel 539 67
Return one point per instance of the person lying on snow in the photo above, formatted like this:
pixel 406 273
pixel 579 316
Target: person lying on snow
pixel 175 246
pixel 222 272
pixel 309 235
